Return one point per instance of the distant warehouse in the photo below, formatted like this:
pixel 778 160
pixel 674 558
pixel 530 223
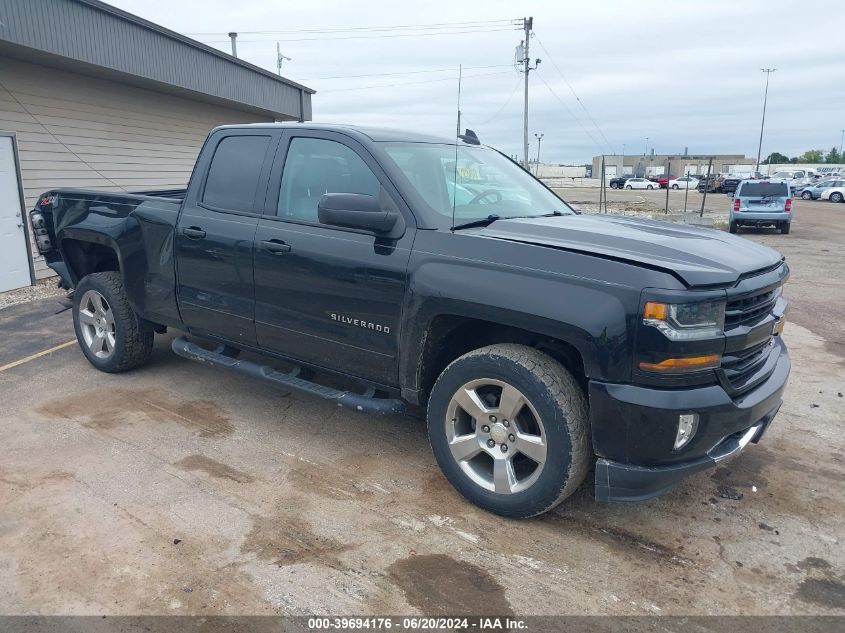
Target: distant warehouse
pixel 645 165
pixel 94 97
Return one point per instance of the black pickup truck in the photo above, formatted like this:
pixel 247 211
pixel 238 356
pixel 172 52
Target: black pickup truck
pixel 542 343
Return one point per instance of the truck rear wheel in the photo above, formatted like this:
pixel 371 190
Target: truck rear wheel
pixel 733 227
pixel 509 428
pixel 107 328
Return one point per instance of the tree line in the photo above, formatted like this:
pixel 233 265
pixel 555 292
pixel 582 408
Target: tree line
pixel 810 156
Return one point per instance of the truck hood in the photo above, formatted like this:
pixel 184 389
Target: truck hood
pixel 699 257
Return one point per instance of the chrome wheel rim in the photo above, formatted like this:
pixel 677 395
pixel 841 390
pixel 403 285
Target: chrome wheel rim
pixel 496 436
pixel 96 323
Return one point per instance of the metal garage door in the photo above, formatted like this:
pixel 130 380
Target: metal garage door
pixel 14 259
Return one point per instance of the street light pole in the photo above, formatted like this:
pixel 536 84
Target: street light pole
pixel 768 72
pixel 841 138
pixel 539 138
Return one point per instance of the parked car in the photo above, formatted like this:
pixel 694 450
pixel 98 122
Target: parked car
pixel 713 183
pixel 730 183
pixel 797 178
pixel 640 183
pixel 660 181
pixel 541 343
pixel 814 192
pixel 834 194
pixel 619 181
pixel 684 182
pixel 762 203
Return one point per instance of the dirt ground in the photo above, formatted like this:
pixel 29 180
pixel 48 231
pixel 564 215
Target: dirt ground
pixel 181 489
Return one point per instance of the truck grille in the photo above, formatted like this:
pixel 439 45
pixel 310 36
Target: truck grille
pixel 739 367
pixel 748 309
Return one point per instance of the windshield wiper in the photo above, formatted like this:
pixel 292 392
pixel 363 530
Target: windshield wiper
pixel 475 223
pixel 493 217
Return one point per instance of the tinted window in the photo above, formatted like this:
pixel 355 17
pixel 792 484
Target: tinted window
pixel 763 188
pixel 316 166
pixel 233 175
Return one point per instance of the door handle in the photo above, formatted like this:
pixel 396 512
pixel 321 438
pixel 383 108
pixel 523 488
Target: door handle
pixel 193 232
pixel 277 247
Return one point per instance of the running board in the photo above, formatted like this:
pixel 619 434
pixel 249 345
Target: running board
pixel 360 402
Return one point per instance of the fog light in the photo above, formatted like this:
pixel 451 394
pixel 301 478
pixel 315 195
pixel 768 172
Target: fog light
pixel 687 426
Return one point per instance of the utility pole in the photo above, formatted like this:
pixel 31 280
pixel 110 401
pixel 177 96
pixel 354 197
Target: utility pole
pixel 539 138
pixel 841 138
pixel 234 37
pixel 768 72
pixel 527 25
pixel 280 58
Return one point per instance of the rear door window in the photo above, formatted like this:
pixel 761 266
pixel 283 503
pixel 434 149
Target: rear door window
pixel 234 172
pixel 764 188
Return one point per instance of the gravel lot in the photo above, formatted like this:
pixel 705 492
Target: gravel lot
pixel 180 489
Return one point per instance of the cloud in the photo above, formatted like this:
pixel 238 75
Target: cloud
pixel 681 74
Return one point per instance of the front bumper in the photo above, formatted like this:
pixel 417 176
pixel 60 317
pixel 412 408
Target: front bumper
pixel 634 431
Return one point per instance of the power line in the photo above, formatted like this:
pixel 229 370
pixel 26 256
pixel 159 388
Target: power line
pixel 57 139
pixel 405 72
pixel 411 83
pixel 505 104
pixel 569 110
pixel 364 37
pixel 575 94
pixel 436 25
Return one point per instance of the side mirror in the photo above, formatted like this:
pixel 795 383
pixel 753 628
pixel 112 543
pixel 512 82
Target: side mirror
pixel 355 211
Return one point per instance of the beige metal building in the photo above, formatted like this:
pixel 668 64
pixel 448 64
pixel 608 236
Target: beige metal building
pixel 94 97
pixel 644 165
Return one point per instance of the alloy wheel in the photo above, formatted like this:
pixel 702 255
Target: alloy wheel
pixel 96 322
pixel 496 436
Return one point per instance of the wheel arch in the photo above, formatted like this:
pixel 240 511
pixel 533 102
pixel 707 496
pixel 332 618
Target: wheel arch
pixel 449 336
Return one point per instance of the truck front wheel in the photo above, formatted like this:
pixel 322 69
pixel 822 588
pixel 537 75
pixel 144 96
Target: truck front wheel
pixel 107 328
pixel 509 428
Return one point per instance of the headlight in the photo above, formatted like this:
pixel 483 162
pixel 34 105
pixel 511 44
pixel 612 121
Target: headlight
pixel 686 321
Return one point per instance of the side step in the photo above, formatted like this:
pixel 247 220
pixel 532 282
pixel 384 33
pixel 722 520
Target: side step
pixel 360 402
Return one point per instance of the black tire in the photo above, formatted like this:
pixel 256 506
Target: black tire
pixel 734 227
pixel 613 185
pixel 784 228
pixel 560 404
pixel 649 187
pixel 675 187
pixel 628 187
pixel 836 197
pixel 132 345
pixel 807 195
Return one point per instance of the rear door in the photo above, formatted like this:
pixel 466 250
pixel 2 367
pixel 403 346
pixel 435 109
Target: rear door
pixel 215 234
pixel 325 295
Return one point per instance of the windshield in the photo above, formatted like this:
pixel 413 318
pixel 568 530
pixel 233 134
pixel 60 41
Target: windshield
pixel 481 184
pixel 764 188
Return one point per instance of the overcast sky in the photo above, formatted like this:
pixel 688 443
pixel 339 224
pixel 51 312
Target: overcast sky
pixel 683 74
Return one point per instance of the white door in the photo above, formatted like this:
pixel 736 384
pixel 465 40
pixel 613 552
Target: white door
pixel 14 260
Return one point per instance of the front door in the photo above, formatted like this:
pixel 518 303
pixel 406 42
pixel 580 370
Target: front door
pixel 216 231
pixel 14 257
pixel 329 296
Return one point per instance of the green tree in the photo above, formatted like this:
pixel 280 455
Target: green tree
pixel 776 158
pixel 812 156
pixel 833 156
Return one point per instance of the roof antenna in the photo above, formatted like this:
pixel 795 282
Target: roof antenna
pixel 469 137
pixel 457 131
